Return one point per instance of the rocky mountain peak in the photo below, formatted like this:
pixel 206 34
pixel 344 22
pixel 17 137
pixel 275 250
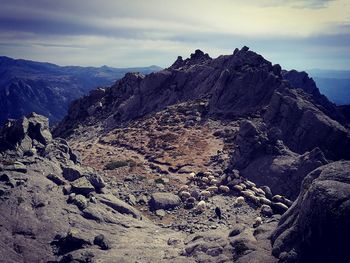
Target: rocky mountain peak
pixel 228 159
pixel 196 58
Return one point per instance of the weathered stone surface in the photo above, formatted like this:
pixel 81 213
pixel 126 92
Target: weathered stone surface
pixel 119 206
pixel 267 161
pixel 82 186
pixel 164 201
pixel 96 180
pixel 101 241
pixel 316 228
pixel 56 179
pixel 72 173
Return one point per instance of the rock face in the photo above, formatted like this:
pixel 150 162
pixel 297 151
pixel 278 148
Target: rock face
pixel 317 227
pixel 297 128
pixel 211 150
pixel 267 161
pixel 52 208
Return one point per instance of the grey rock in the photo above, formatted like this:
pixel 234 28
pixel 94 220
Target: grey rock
pixel 118 205
pixel 96 180
pixel 82 186
pixel 161 213
pixel 80 201
pixel 73 240
pixel 164 201
pixel 56 179
pixel 72 173
pixel 236 230
pixel 266 210
pixel 132 200
pixel 101 241
pixel 322 204
pixel 16 166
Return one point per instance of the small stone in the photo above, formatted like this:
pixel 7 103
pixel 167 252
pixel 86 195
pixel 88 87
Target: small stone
pixel 279 208
pixel 56 179
pixel 131 199
pixel 236 230
pixel 239 201
pixel 258 221
pixel 96 181
pixel 142 200
pixel 266 210
pixel 72 173
pixel 160 213
pixel 102 242
pixel 80 201
pixel 82 186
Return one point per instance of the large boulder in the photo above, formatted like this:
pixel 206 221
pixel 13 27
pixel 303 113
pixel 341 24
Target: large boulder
pixel 164 201
pixel 317 227
pixel 22 134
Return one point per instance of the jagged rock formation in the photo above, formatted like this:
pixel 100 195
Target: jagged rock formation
pixel 292 117
pixel 48 89
pixel 53 209
pixel 195 163
pixel 317 228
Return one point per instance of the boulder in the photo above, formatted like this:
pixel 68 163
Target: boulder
pixel 73 240
pixel 38 128
pixel 164 201
pixel 82 186
pixel 56 179
pixel 72 173
pixel 101 241
pixel 119 205
pixel 317 227
pixel 16 167
pixel 96 180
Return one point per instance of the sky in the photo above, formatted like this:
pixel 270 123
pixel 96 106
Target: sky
pixel 299 34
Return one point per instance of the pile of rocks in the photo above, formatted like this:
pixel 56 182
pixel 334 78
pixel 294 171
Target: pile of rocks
pixel 204 185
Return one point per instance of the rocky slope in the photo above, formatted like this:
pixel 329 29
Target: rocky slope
pixel 48 89
pixel 199 162
pixel 284 127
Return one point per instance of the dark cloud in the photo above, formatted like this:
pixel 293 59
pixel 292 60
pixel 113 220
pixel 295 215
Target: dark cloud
pixel 155 31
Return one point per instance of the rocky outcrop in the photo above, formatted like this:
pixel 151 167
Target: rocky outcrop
pixel 23 135
pixel 240 85
pixel 227 80
pixel 265 160
pixel 302 126
pixel 54 209
pixel 317 227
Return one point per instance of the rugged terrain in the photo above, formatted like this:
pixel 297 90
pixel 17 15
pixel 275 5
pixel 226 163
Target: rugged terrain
pixel 210 160
pixel 48 89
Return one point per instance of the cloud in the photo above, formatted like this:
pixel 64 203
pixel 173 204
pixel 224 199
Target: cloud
pixel 296 33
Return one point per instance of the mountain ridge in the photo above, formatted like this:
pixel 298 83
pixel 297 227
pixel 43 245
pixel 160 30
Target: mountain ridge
pixel 228 159
pixel 46 88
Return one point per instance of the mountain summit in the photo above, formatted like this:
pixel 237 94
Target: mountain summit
pixel 228 159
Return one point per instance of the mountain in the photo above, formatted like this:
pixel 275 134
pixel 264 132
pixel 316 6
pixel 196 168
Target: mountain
pixel 27 86
pixel 228 159
pixel 335 84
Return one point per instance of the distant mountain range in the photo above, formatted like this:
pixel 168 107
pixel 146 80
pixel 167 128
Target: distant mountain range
pixel 335 84
pixel 48 89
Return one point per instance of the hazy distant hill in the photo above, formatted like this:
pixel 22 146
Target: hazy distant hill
pixel 334 84
pixel 45 88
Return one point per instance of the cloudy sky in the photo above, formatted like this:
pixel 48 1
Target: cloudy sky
pixel 301 34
